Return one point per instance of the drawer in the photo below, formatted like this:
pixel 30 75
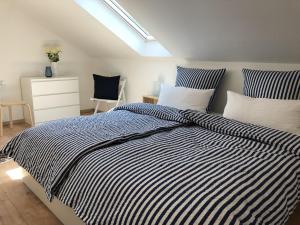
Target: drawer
pixel 54 87
pixel 44 115
pixel 52 101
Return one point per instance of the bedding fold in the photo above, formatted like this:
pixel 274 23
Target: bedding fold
pixel 281 140
pixel 50 150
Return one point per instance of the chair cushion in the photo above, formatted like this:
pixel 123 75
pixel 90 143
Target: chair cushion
pixel 106 87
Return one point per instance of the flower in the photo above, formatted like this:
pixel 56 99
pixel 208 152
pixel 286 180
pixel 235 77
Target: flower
pixel 53 53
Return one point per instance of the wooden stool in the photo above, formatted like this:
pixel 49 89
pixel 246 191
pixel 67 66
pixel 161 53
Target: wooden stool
pixel 10 105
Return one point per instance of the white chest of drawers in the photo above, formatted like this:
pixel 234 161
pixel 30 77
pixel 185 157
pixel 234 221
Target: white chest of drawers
pixel 51 98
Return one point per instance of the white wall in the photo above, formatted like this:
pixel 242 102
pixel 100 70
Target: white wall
pixel 22 54
pixel 21 45
pixel 143 73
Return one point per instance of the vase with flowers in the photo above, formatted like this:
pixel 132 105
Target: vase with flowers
pixel 53 56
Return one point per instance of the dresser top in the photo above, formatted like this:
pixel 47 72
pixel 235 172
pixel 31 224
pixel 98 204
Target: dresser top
pixel 41 78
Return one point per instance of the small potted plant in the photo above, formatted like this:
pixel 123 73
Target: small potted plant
pixel 53 55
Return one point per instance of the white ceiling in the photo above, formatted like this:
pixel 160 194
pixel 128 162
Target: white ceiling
pixel 225 30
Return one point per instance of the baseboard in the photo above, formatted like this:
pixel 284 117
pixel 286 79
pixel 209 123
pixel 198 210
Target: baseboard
pixel 82 112
pixel 86 111
pixel 6 123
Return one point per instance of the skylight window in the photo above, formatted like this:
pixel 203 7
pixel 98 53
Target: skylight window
pixel 122 24
pixel 129 19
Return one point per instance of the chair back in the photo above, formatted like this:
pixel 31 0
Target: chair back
pixel 122 84
pixel 121 95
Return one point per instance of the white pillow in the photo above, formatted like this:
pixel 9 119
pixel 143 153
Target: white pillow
pixel 274 113
pixel 184 98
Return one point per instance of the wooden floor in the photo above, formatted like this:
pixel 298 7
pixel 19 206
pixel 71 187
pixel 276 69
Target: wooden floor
pixel 18 205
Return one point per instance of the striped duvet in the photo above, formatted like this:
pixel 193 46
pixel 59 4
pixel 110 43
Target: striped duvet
pixel 185 168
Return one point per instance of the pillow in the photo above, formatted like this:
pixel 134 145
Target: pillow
pixel 106 87
pixel 272 84
pixel 199 79
pixel 274 113
pixel 184 98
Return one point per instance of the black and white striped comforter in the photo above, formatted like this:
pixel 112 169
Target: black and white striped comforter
pixel 50 150
pixel 202 169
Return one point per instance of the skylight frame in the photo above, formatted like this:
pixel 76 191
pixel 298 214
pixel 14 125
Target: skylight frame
pixel 129 19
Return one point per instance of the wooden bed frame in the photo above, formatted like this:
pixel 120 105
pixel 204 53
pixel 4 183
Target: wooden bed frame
pixel 67 216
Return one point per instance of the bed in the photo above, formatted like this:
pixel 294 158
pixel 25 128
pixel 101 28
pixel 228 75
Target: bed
pixel 150 164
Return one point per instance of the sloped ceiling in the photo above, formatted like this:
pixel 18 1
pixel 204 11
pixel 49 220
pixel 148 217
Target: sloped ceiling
pixel 225 30
pixel 72 23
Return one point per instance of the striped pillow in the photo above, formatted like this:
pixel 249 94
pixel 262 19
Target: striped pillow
pixel 199 79
pixel 272 84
